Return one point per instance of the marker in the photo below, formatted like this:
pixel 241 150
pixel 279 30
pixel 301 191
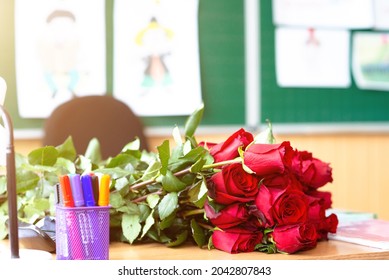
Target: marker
pixel 75 184
pixel 104 190
pixel 95 185
pixel 66 191
pixel 57 194
pixel 87 188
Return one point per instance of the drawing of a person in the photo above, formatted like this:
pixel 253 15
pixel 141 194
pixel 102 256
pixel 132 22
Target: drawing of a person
pixel 155 39
pixel 59 50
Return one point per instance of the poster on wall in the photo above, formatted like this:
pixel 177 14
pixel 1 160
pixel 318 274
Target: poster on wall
pixel 370 62
pixel 156 56
pixel 381 14
pixel 59 53
pixel 349 14
pixel 312 57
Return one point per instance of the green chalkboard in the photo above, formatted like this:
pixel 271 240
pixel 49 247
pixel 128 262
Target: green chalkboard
pixel 312 105
pixel 221 44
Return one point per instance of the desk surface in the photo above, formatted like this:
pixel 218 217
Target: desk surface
pixel 324 250
pixel 332 250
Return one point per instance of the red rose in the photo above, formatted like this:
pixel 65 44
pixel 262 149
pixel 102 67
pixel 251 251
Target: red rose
pixel 228 217
pixel 282 206
pixel 281 181
pixel 311 171
pixel 292 238
pixel 236 240
pixel 325 197
pixel 265 159
pixel 228 149
pixel 233 184
pixel 317 217
pixel 329 224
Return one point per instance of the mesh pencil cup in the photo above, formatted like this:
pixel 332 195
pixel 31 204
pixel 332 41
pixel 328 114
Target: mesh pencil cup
pixel 82 233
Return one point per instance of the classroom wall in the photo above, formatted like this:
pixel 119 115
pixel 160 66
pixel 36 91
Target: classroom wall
pixel 359 162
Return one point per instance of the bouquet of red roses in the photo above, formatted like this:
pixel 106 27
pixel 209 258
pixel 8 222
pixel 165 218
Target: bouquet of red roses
pixel 246 193
pixel 270 200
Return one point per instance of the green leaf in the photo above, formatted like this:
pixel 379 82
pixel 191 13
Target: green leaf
pixel 129 208
pixel 181 238
pixel 193 121
pixel 168 221
pixel 152 171
pixel 148 224
pixel 116 200
pixel 266 136
pixel 93 151
pixel 198 193
pixel 66 164
pixel 3 184
pixel 164 155
pixel 115 172
pixel 171 183
pixel 197 233
pixel 167 205
pixel 198 165
pixel 177 136
pixel 26 180
pixel 3 228
pixel 46 156
pixel 131 227
pixel 152 200
pixel 133 145
pixel 122 160
pixel 67 149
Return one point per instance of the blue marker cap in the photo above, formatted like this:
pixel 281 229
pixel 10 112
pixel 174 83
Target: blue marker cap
pixel 87 188
pixel 75 183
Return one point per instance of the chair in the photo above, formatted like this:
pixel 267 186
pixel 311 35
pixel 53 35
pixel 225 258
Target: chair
pixel 109 120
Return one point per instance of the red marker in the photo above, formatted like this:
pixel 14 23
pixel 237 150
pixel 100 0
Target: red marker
pixel 66 191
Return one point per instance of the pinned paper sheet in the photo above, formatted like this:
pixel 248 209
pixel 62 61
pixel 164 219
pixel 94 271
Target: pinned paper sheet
pixel 156 56
pixel 349 14
pixel 59 53
pixel 371 60
pixel 381 14
pixel 312 58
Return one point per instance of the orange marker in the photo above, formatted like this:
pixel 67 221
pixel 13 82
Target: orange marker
pixel 66 191
pixel 104 190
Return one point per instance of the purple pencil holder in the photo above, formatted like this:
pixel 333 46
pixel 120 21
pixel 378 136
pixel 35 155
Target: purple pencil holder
pixel 82 233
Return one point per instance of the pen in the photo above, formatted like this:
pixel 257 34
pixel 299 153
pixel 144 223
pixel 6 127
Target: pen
pixel 95 185
pixel 66 191
pixel 87 188
pixel 57 194
pixel 104 190
pixel 75 183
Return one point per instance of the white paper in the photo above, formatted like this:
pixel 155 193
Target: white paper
pixel 156 56
pixel 381 14
pixel 312 58
pixel 371 60
pixel 59 53
pixel 348 14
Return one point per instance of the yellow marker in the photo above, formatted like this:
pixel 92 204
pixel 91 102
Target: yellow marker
pixel 104 190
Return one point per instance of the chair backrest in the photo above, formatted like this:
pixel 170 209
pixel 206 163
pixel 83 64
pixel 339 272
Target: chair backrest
pixel 109 120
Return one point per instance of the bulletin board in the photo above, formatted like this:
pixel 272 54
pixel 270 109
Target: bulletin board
pixel 221 46
pixel 222 65
pixel 312 105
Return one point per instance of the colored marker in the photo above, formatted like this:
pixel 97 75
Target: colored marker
pixel 95 185
pixel 57 194
pixel 66 191
pixel 75 184
pixel 87 188
pixel 104 190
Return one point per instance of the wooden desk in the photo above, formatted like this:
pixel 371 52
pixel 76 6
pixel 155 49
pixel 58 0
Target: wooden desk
pixel 325 250
pixel 333 250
